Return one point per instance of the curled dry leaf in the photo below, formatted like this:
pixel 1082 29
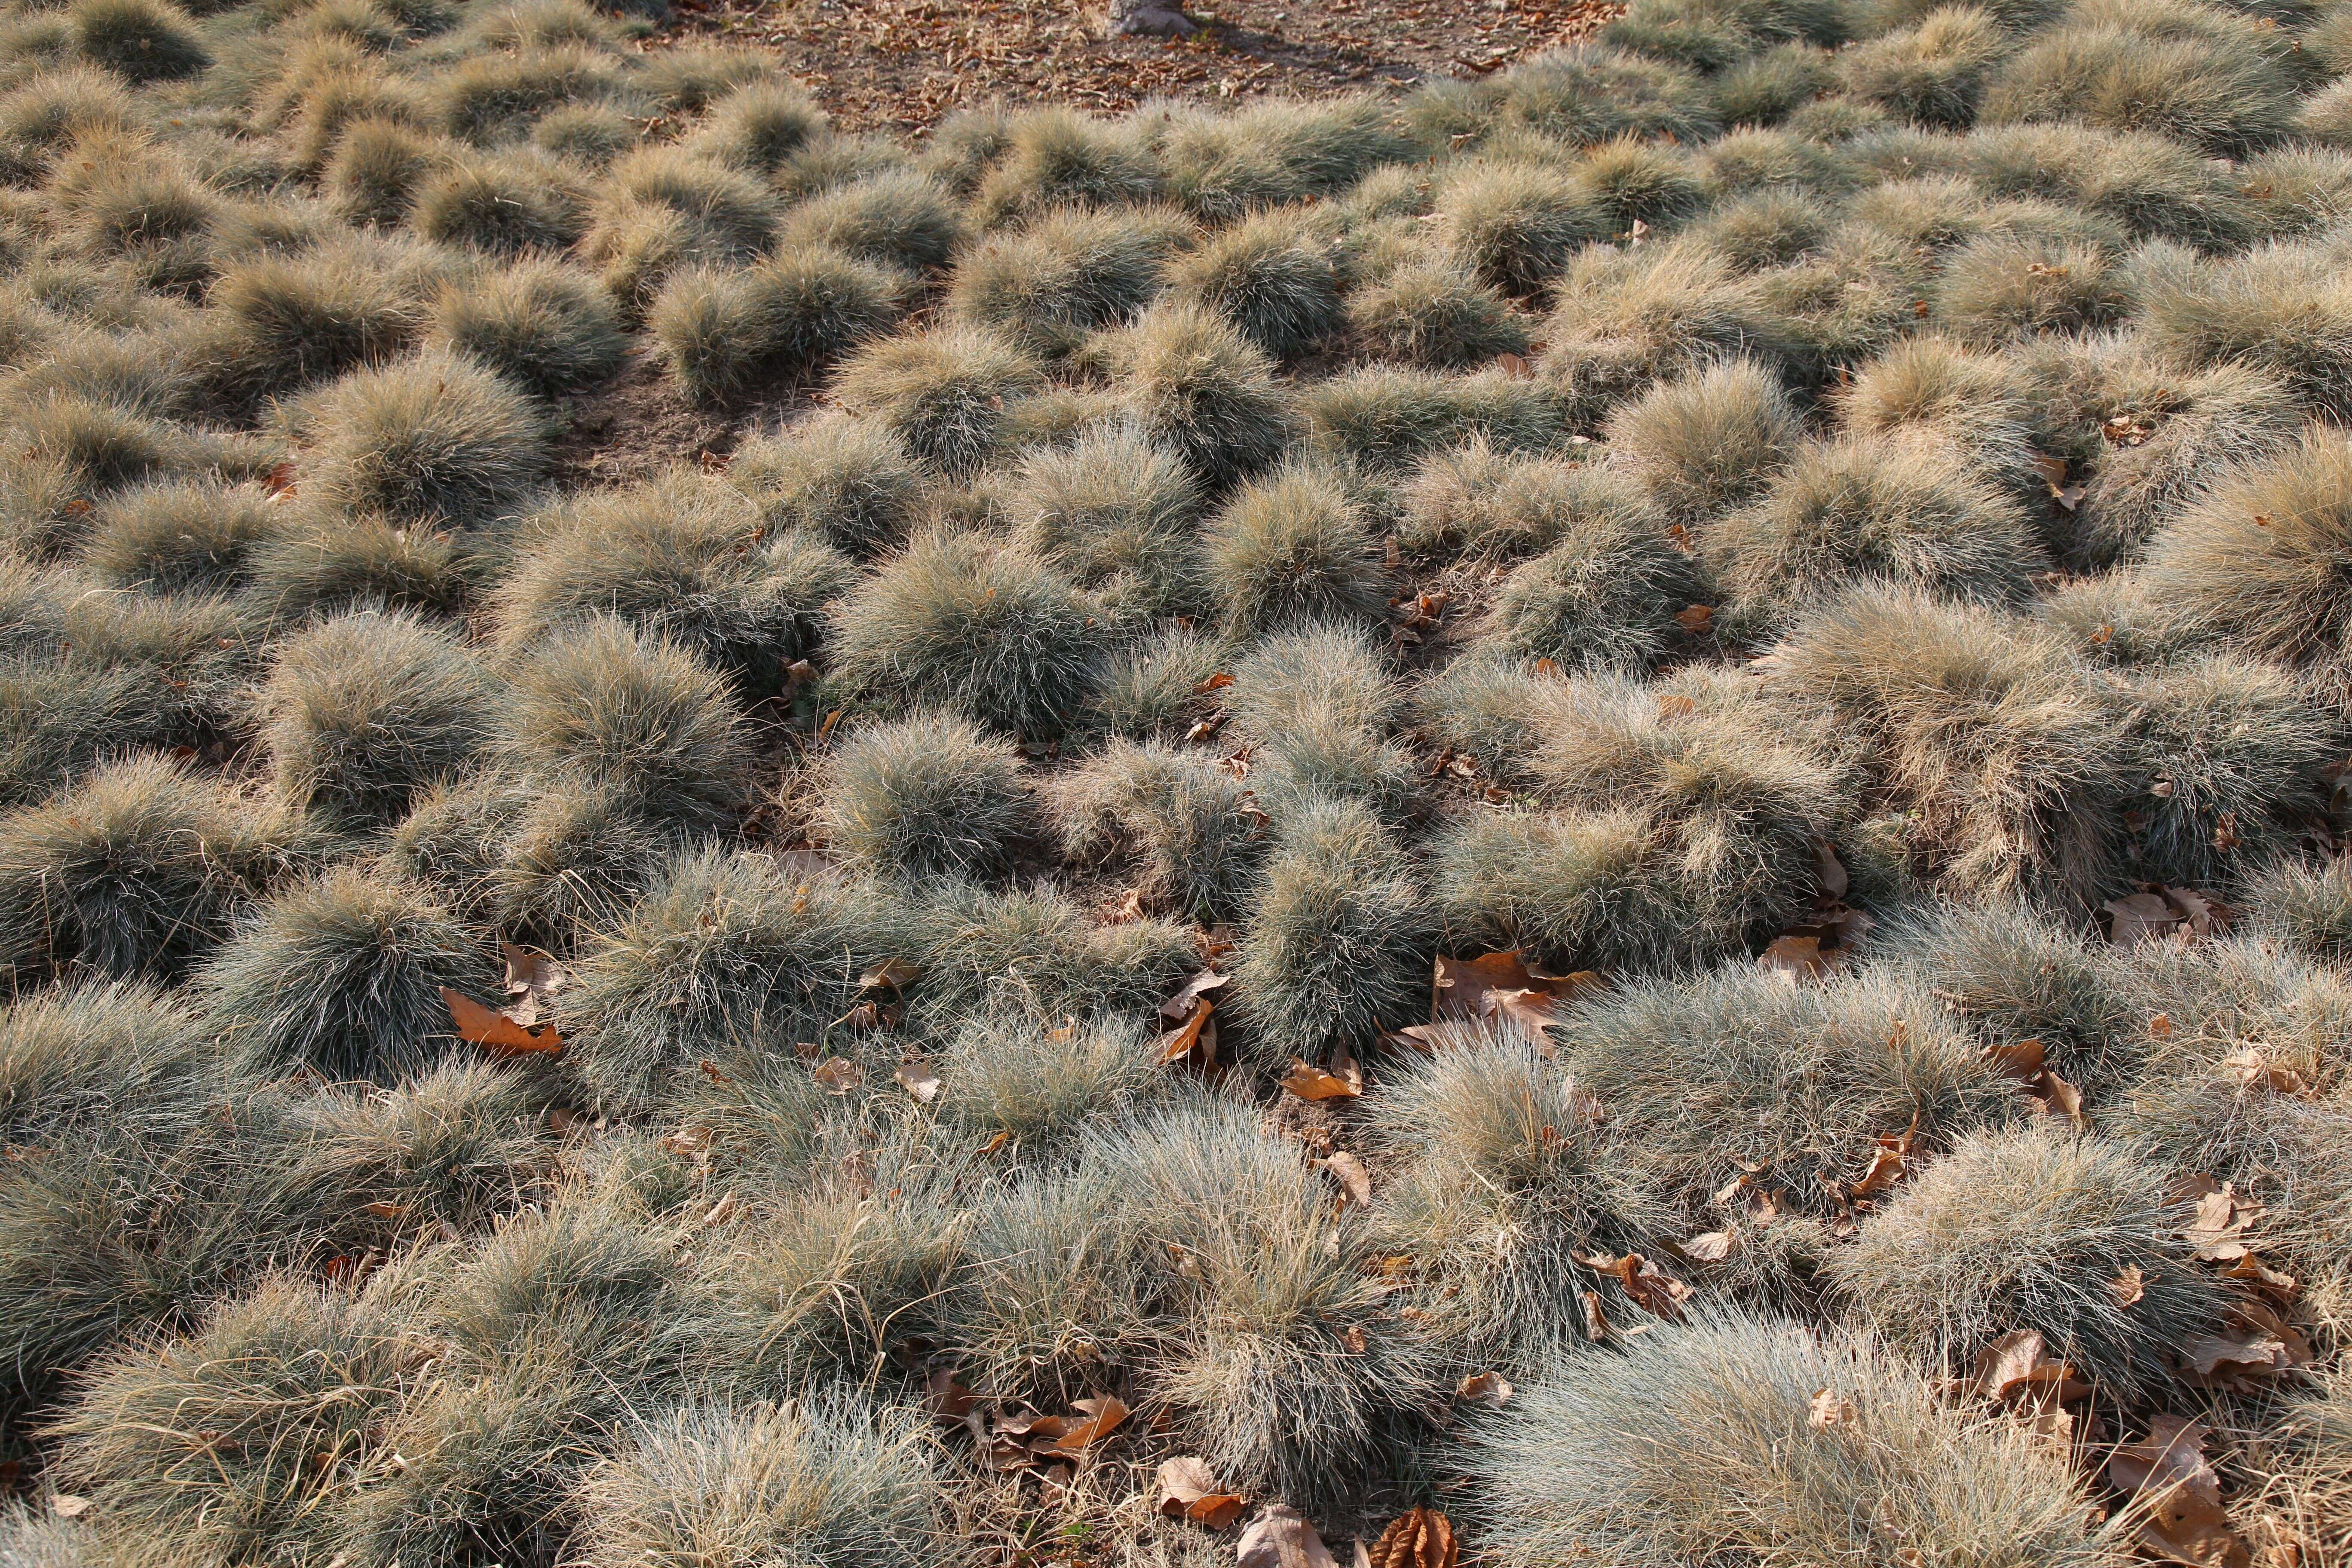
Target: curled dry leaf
pixel 2177 1497
pixel 1830 1408
pixel 1695 619
pixel 2018 1369
pixel 2253 1069
pixel 496 1032
pixel 1888 1163
pixel 533 978
pixel 946 1397
pixel 1653 1290
pixel 838 1074
pixel 2217 1228
pixel 1309 1082
pixel 1280 1538
pixel 1501 989
pixel 2126 1288
pixel 1192 1039
pixel 2158 913
pixel 1355 1182
pixel 1189 1490
pixel 890 975
pixel 1420 1539
pixel 1712 1247
pixel 919 1078
pixel 66 1505
pixel 1795 959
pixel 1491 1389
pixel 1596 1325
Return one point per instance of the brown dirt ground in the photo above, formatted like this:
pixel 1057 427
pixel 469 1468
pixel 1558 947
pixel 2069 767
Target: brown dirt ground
pixel 901 65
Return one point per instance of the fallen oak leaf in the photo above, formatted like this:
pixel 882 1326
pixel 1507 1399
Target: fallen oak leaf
pixel 1188 1490
pixel 497 1033
pixel 919 1078
pixel 1179 1006
pixel 1830 1408
pixel 1281 1537
pixel 1312 1083
pixel 1422 1538
pixel 1068 1436
pixel 2177 1496
pixel 838 1074
pixel 1355 1182
pixel 890 975
pixel 533 978
pixel 1180 1042
pixel 1491 1389
pixel 1658 1293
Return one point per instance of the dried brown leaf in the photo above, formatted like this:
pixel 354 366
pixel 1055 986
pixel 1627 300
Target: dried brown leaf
pixel 494 1032
pixel 1280 1538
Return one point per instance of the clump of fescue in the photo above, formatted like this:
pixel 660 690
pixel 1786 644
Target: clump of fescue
pixel 61 717
pixel 976 627
pixel 1715 1073
pixel 1117 511
pixel 2232 754
pixel 432 439
pixel 2029 1230
pixel 1932 72
pixel 1715 846
pixel 1585 94
pixel 1708 35
pixel 1703 1439
pixel 851 480
pixel 1386 418
pixel 363 713
pixel 48 109
pixel 724 955
pixel 1629 182
pixel 1489 505
pixel 1437 316
pixel 1200 388
pixel 1935 387
pixel 180 536
pixel 513 203
pixel 1765 89
pixel 1604 596
pixel 601 704
pixel 2307 906
pixel 1843 302
pixel 1907 512
pixel 1149 689
pixel 1625 318
pixel 550 327
pixel 1274 153
pixel 2250 564
pixel 1771 163
pixel 325 564
pixel 942 393
pixel 1055 157
pixel 567 857
pixel 1486 708
pixel 1769 228
pixel 486 97
pixel 2000 287
pixel 288 321
pixel 590 135
pixel 761 123
pixel 831 1478
pixel 729 333
pixel 1985 726
pixel 226 1444
pixel 927 795
pixel 1066 274
pixel 1336 948
pixel 1565 886
pixel 344 975
pixel 2017 975
pixel 142 41
pixel 2283 308
pixel 1506 1176
pixel 1039 951
pixel 1057 1298
pixel 1270 278
pixel 684 556
pixel 1516 225
pixel 2223 92
pixel 1705 443
pixel 1043 1081
pixel 134 871
pixel 114 1058
pixel 1293 547
pixel 1318 669
pixel 1184 826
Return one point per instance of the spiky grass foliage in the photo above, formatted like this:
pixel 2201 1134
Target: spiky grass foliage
pixel 725 955
pixel 1118 511
pixel 487 98
pixel 591 135
pixel 851 480
pixel 1629 182
pixel 1489 505
pixel 2000 287
pixel 550 327
pixel 1489 709
pixel 976 627
pixel 1058 1300
pixel 363 713
pixel 2282 308
pixel 942 393
pixel 1705 443
pixel 47 110
pixel 134 871
pixel 1708 35
pixel 729 333
pixel 1932 72
pixel 286 321
pixel 2028 1230
pixel 900 218
pixel 1506 1175
pixel 1055 157
pixel 1720 812
pixel 1698 1440
pixel 1870 1052
pixel 604 705
pixel 569 858
pixel 1293 547
pixel 2214 83
pixel 1336 948
pixel 1066 274
pixel 1935 387
pixel 1183 824
pixel 324 564
pixel 180 536
pixel 1986 726
pixel 1276 284
pixel 1276 152
pixel 1765 89
pixel 1585 94
pixel 684 556
pixel 2232 754
pixel 113 1059
pixel 1555 884
pixel 1386 418
pixel 2017 975
pixel 2306 906
pixel 1771 163
pixel 928 795
pixel 1037 951
pixel 1904 511
pixel 224 1444
pixel 831 1478
pixel 513 203
pixel 434 438
pixel 1516 225
pixel 759 125
pixel 2252 563
pixel 2152 187
pixel 1196 385
pixel 1435 316
pixel 344 974
pixel 61 717
pixel 1770 228
pixel 1147 690
pixel 1045 1081
pixel 140 40
pixel 1624 318
pixel 1604 596
pixel 729 208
